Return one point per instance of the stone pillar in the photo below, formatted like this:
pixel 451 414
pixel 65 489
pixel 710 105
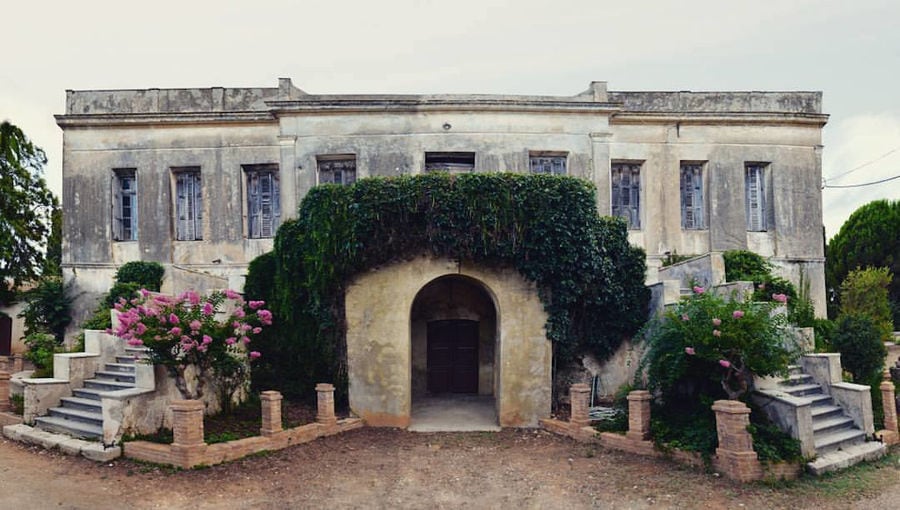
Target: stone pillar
pixel 4 392
pixel 17 363
pixel 638 415
pixel 271 412
pixel 736 457
pixel 325 408
pixel 188 448
pixel 579 397
pixel 890 411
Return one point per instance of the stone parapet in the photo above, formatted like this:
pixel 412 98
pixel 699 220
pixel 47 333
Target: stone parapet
pixel 890 435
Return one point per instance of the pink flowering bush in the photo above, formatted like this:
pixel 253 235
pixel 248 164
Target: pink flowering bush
pixel 191 330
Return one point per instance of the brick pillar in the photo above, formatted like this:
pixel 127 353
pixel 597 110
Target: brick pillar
pixel 4 392
pixel 638 415
pixel 736 457
pixel 579 398
pixel 188 448
pixel 271 412
pixel 325 408
pixel 887 398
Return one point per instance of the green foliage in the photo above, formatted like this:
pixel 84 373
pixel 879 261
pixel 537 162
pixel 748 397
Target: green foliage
pixel 41 348
pixel 865 291
pixel 147 275
pixel 869 238
pixel 743 265
pixel 48 307
pixel 18 404
pixel 770 443
pixel 802 313
pixel 706 347
pixel 858 339
pixel 53 257
pixel 26 205
pixel 674 258
pixel 589 278
pixel 824 330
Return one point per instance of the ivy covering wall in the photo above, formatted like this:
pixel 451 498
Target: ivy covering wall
pixel 590 279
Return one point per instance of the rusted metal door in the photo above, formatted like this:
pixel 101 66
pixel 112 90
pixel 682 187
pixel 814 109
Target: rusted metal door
pixel 453 356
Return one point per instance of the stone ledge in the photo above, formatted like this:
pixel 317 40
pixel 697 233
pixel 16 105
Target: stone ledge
pixel 9 419
pixel 833 461
pixel 66 444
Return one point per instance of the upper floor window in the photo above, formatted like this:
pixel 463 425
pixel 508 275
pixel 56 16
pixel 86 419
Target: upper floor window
pixel 453 162
pixel 693 209
pixel 337 169
pixel 188 204
pixel 263 200
pixel 125 226
pixel 755 196
pixel 553 163
pixel 626 192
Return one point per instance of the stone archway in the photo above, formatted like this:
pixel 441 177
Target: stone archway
pixel 383 322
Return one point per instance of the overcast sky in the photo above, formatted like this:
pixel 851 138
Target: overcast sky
pixel 850 50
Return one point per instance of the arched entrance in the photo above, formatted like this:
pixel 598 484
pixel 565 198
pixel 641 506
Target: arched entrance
pixel 453 330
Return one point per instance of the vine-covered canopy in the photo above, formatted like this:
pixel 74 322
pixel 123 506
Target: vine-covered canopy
pixel 590 279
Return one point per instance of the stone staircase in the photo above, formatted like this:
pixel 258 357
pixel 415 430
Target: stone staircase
pixel 80 415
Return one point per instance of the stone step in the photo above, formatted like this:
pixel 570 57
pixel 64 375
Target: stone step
pixel 837 440
pixel 114 376
pixel 846 457
pixel 795 379
pixel 81 404
pixel 125 360
pixel 820 400
pixel 795 369
pixel 802 390
pixel 832 423
pixel 66 413
pixel 69 427
pixel 824 411
pixel 88 393
pixel 127 368
pixel 106 385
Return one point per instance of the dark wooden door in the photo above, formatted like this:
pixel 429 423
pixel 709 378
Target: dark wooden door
pixel 453 356
pixel 5 335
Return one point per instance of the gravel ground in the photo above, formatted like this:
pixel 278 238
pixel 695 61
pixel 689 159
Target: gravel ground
pixel 386 468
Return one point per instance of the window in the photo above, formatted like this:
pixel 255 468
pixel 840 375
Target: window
pixel 125 227
pixel 755 196
pixel 188 205
pixel 692 208
pixel 263 200
pixel 553 163
pixel 337 169
pixel 626 192
pixel 453 162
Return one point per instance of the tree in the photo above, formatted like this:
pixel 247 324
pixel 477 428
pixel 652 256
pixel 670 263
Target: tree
pixel 869 238
pixel 26 205
pixel 864 291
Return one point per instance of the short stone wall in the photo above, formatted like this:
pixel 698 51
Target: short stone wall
pixel 734 458
pixel 188 449
pixel 6 415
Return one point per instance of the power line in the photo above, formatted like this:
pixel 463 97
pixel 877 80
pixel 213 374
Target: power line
pixel 862 184
pixel 867 163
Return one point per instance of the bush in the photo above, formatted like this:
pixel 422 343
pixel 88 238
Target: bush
pixel 41 348
pixel 858 339
pixel 48 308
pixel 865 291
pixel 824 330
pixel 744 265
pixel 147 275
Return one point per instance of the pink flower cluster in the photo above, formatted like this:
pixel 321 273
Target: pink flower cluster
pixel 781 298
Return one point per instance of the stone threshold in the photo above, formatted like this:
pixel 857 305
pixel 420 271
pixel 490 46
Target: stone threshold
pixel 66 444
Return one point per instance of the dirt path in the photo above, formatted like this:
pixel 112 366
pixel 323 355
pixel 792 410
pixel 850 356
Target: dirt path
pixel 376 468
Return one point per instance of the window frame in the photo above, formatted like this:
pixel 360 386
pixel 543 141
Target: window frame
pixel 690 212
pixel 329 160
pixel 548 157
pixel 454 162
pixel 193 200
pixel 759 213
pixel 259 223
pixel 124 229
pixel 633 215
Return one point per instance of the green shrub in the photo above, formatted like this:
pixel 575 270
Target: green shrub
pixel 744 265
pixel 858 339
pixel 41 348
pixel 588 276
pixel 48 308
pixel 147 275
pixel 18 404
pixel 824 330
pixel 865 291
pixel 120 290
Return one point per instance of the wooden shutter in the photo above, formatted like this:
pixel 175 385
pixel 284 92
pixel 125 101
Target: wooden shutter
pixel 755 198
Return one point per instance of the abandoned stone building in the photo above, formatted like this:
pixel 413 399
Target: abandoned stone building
pixel 200 179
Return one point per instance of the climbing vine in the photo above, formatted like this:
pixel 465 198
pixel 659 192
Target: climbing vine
pixel 590 279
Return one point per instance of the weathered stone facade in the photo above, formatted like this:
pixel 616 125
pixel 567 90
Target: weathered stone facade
pixel 153 136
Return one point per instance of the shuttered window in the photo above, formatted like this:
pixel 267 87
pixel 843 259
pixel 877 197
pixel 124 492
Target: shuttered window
pixel 124 205
pixel 263 201
pixel 755 196
pixel 188 205
pixel 547 164
pixel 692 205
pixel 339 169
pixel 626 192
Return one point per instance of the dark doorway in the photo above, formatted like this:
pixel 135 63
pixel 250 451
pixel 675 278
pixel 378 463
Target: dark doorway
pixel 5 335
pixel 452 363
